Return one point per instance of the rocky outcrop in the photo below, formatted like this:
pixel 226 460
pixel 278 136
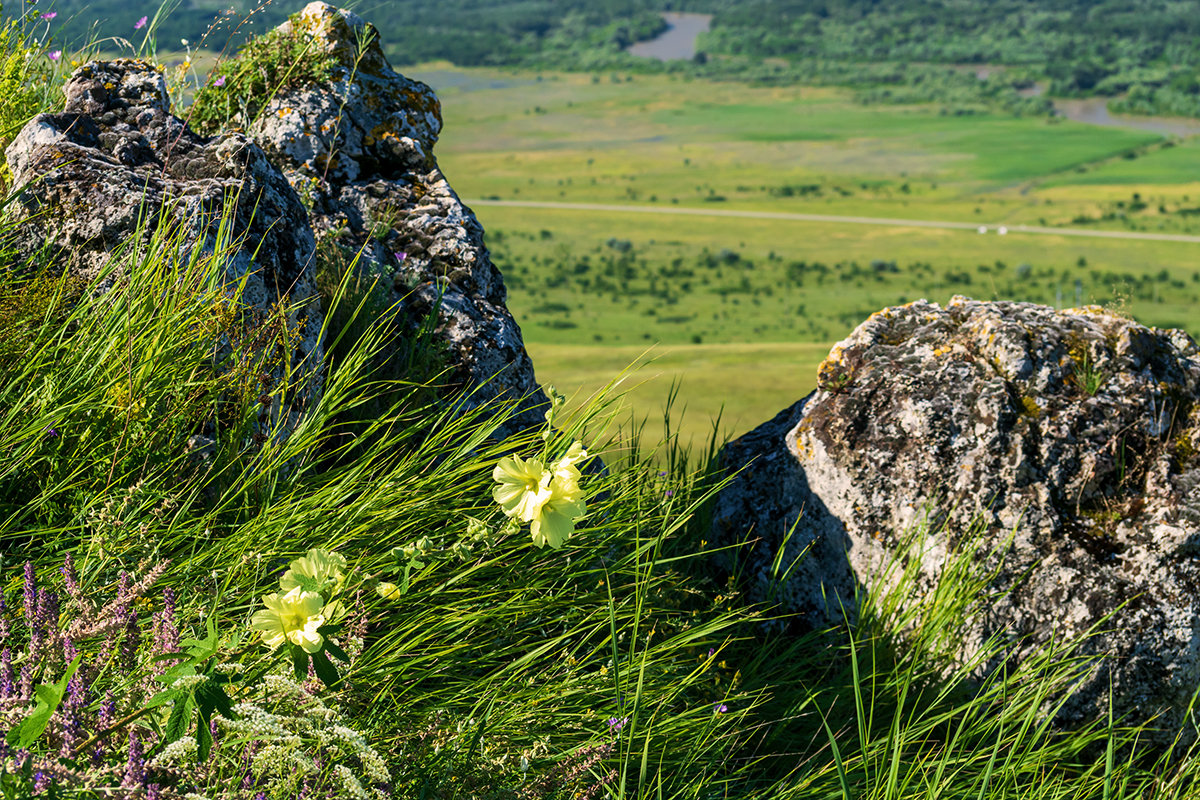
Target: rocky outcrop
pixel 1071 437
pixel 116 157
pixel 360 147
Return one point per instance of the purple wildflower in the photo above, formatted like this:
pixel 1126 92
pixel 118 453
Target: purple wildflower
pixel 616 723
pixel 720 708
pixel 401 256
pixel 30 595
pixel 76 700
pixel 70 578
pixel 135 767
pixel 54 55
pixel 106 717
pixel 219 82
pixel 49 15
pixel 25 687
pixel 166 632
pixel 7 688
pixel 141 23
pixel 670 492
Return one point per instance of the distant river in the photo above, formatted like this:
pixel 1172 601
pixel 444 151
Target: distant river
pixel 678 40
pixel 1094 111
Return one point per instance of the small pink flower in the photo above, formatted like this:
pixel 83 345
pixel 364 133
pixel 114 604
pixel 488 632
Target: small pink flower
pixel 49 15
pixel 220 81
pixel 401 256
pixel 55 55
pixel 141 23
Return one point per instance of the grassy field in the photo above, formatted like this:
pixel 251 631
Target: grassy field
pixel 735 302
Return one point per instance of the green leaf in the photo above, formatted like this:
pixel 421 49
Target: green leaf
pixel 336 652
pixel 210 695
pixel 48 700
pixel 326 671
pixel 204 739
pixel 181 715
pixel 299 663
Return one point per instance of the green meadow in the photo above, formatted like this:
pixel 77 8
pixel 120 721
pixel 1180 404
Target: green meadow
pixel 740 310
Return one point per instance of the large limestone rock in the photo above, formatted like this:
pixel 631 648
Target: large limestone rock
pixel 360 147
pixel 117 156
pixel 1074 436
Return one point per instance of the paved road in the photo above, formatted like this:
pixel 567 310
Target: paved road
pixel 843 220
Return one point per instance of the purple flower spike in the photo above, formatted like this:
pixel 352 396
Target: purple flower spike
pixel 7 687
pixel 135 767
pixel 70 578
pixel 30 595
pixel 141 23
pixel 616 723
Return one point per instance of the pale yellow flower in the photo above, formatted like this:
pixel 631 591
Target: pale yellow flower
pixel 556 519
pixel 524 487
pixel 317 571
pixel 292 617
pixel 388 591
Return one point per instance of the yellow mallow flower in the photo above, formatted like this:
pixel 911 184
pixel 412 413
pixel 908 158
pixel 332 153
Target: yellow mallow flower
pixel 292 617
pixel 550 500
pixel 556 519
pixel 317 571
pixel 524 487
pixel 389 591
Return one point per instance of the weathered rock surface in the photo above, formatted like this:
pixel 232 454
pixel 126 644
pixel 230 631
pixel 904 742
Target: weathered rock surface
pixel 116 156
pixel 1076 433
pixel 361 148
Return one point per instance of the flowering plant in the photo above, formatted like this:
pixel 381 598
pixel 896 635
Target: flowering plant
pixel 303 616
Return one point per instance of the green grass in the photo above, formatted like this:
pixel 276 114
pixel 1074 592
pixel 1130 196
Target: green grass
pixel 769 376
pixel 623 665
pixel 657 141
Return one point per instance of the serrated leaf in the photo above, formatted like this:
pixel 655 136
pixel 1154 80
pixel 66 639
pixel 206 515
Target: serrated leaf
pixel 48 699
pixel 204 739
pixel 164 697
pixel 177 723
pixel 325 669
pixel 176 672
pixel 210 695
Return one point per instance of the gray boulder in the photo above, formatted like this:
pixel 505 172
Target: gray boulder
pixel 1072 437
pixel 116 156
pixel 359 148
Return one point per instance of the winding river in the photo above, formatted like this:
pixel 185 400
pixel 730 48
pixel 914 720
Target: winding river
pixel 679 41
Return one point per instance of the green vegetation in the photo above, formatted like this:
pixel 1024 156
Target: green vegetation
pixel 265 65
pixel 596 287
pixel 149 503
pixel 966 55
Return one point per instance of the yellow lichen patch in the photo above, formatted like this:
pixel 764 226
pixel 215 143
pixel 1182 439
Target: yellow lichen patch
pixel 1031 406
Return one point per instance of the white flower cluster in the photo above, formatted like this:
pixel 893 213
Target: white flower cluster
pixel 179 752
pixel 298 735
